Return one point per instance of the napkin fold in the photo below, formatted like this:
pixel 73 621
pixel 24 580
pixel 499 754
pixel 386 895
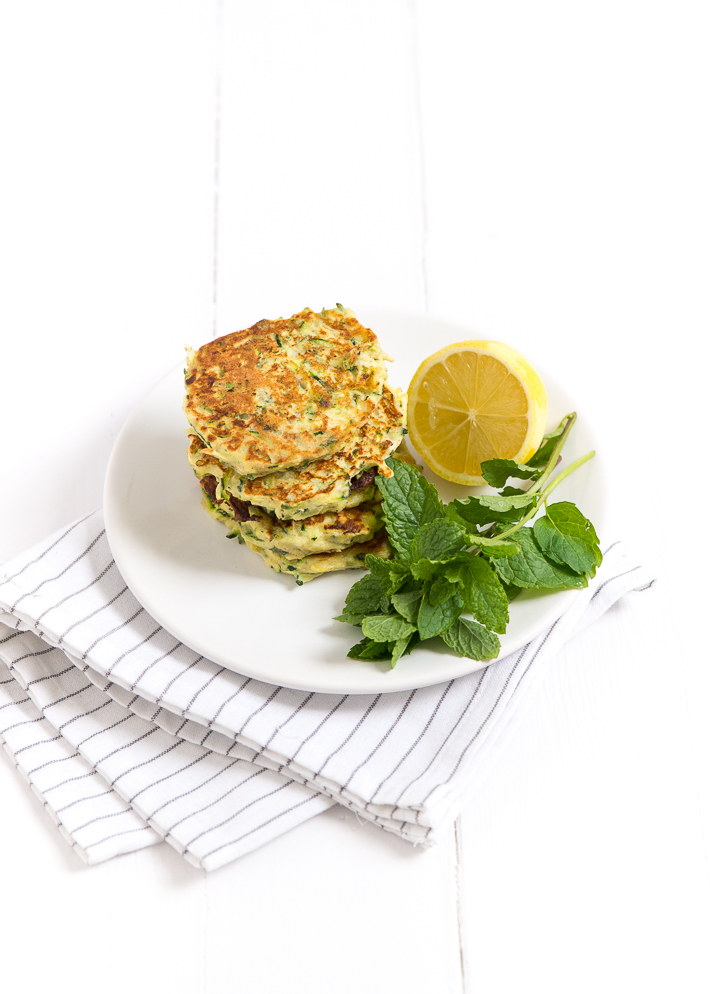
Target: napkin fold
pixel 129 738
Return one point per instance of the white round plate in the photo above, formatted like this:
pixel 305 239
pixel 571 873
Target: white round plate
pixel 221 600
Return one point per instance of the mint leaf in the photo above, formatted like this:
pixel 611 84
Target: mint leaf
pixel 437 540
pixel 386 627
pixel 468 638
pixel 349 618
pixel 566 536
pixel 433 619
pixel 503 505
pixel 496 471
pixel 549 441
pixel 483 593
pixel 400 647
pixel 410 501
pixel 407 604
pixel 412 641
pixel 531 567
pixel 367 596
pixel 511 592
pixel 452 514
pixel 425 569
pixel 390 572
pixel 484 510
pixel 381 568
pixel 369 649
pixel 441 589
pixel 494 547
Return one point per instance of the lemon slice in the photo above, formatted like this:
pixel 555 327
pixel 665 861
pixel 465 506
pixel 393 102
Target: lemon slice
pixel 474 401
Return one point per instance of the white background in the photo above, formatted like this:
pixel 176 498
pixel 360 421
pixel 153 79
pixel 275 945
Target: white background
pixel 178 169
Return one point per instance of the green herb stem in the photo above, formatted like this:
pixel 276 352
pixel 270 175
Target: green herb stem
pixel 546 492
pixel 552 461
pixel 565 472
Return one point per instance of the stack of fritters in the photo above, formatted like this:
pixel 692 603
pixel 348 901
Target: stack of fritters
pixel 290 421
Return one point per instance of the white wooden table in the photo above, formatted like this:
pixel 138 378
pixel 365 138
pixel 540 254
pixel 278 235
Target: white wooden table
pixel 175 170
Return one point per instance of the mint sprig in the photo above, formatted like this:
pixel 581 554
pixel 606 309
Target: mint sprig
pixel 457 566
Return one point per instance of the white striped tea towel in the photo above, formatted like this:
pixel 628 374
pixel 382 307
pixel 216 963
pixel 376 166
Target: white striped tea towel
pixel 129 738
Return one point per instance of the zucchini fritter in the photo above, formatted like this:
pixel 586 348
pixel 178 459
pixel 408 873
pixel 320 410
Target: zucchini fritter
pixel 334 483
pixel 290 422
pixel 283 393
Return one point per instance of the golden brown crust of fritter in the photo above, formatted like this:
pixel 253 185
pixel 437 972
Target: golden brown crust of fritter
pixel 307 490
pixel 327 532
pixel 325 483
pixel 284 392
pixel 319 534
